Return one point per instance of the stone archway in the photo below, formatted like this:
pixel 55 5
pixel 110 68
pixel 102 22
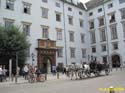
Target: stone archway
pixel 115 60
pixel 47 65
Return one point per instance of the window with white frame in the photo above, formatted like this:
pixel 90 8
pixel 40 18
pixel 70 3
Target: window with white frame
pixel 59 51
pixel 9 23
pixel 92 35
pixel 59 34
pixel 80 12
pixel 57 4
pixel 28 52
pixel 72 52
pixel 101 21
pixel 45 32
pixel 69 9
pixel 44 12
pixel 58 16
pixel 112 18
pixel 103 47
pixel 10 4
pixel 91 13
pixel 82 38
pixel 26 28
pixel 83 53
pixel 122 13
pixel 104 59
pixel 123 25
pixel 26 8
pixel 102 35
pixel 113 32
pixel 45 1
pixel 91 24
pixel 110 5
pixel 71 36
pixel 93 49
pixel 70 19
pixel 115 46
pixel 121 1
pixel 81 22
pixel 99 10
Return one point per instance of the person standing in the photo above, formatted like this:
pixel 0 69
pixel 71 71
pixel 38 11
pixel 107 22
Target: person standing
pixel 1 73
pixel 4 73
pixel 26 70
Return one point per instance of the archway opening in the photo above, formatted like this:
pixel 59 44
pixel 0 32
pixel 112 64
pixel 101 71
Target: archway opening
pixel 115 61
pixel 46 65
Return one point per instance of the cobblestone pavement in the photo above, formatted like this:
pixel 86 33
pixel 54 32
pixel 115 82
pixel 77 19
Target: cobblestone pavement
pixel 65 85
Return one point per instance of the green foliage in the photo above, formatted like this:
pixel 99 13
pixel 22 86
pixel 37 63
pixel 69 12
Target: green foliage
pixel 13 40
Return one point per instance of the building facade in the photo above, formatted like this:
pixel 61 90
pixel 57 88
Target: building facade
pixel 62 32
pixel 106 19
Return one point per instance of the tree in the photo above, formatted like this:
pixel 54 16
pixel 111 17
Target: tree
pixel 12 40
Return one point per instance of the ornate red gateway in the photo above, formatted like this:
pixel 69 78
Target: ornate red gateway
pixel 46 54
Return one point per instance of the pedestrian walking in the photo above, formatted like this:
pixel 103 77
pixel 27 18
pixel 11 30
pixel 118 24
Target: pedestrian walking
pixel 26 70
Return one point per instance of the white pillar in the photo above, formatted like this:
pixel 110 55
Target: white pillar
pixel 10 69
pixel 48 67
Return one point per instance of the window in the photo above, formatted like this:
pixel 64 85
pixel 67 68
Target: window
pixel 101 21
pixel 123 24
pixel 71 36
pixel 112 18
pixel 81 23
pixel 57 4
pixel 69 9
pixel 83 53
pixel 91 24
pixel 26 29
pixel 91 13
pixel 115 46
pixel 70 18
pixel 45 1
pixel 26 8
pixel 122 13
pixel 80 13
pixel 99 10
pixel 104 59
pixel 59 51
pixel 59 34
pixel 113 32
pixel 121 1
pixel 92 35
pixel 9 23
pixel 45 32
pixel 82 38
pixel 10 4
pixel 44 12
pixel 110 5
pixel 93 49
pixel 102 35
pixel 28 52
pixel 72 52
pixel 58 17
pixel 103 48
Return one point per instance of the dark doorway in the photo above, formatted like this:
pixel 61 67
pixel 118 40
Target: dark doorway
pixel 46 65
pixel 115 61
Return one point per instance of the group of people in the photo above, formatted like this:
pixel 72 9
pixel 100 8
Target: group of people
pixel 3 72
pixel 31 73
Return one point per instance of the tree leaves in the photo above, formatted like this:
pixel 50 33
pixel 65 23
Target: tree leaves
pixel 13 40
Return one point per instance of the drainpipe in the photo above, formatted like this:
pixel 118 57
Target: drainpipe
pixel 64 32
pixel 108 53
